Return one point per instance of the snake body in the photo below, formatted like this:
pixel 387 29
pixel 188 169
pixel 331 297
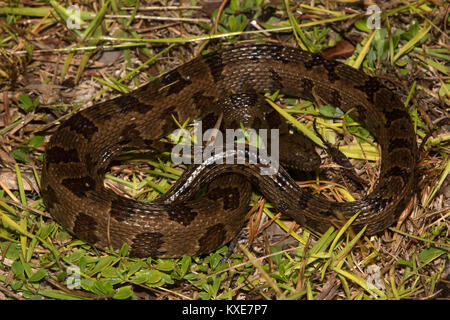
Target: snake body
pixel 79 152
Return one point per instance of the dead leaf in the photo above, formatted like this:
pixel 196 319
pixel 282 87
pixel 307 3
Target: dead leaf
pixel 342 49
pixel 9 179
pixel 208 6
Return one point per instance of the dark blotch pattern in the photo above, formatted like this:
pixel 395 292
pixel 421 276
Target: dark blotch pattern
pixel 399 143
pixel 330 65
pixel 181 214
pixel 362 114
pixel 129 128
pixel 316 60
pixel 335 98
pixel 230 197
pixel 393 115
pixel 304 197
pixel 85 227
pixel 273 119
pixel 398 172
pixel 377 203
pixel 370 87
pixel 125 141
pixel 277 53
pixel 172 110
pixel 147 244
pixel 60 155
pixel 282 206
pixel 257 124
pixel 128 134
pixel 213 238
pixel 120 209
pixel 215 65
pixel 276 80
pixel 306 86
pixel 203 101
pixel 209 120
pixel 175 82
pixel 79 186
pixel 327 213
pixel 128 104
pixel 331 96
pixel 82 125
pixel 89 162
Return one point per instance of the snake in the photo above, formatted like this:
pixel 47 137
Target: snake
pixel 207 206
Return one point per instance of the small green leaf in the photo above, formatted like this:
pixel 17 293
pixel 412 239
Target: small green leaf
pixel 361 24
pixel 45 230
pixel 191 277
pixel 413 41
pixel 277 257
pixel 430 254
pixel 234 5
pixel 102 263
pixel 124 293
pixel 16 285
pixel 348 118
pixel 135 267
pixel 443 90
pixel 185 263
pixel 87 284
pixel 102 287
pixel 124 250
pixel 214 260
pixel 242 22
pixel 149 276
pixel 14 251
pixel 216 285
pixel 363 132
pixel 165 265
pixel 20 155
pixel 327 111
pixel 413 29
pixel 56 294
pixel 405 263
pixel 110 272
pixel 226 296
pixel 18 270
pixel 204 295
pixel 25 102
pixel 232 24
pixel 36 102
pixel 402 62
pixel 153 276
pixel 36 142
pixel 38 275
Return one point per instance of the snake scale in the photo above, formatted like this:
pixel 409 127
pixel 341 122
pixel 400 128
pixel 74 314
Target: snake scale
pixel 176 224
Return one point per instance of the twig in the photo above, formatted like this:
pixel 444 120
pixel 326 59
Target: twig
pixel 219 13
pixel 158 18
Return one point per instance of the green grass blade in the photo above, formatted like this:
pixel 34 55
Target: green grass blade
pixel 300 126
pixel 411 43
